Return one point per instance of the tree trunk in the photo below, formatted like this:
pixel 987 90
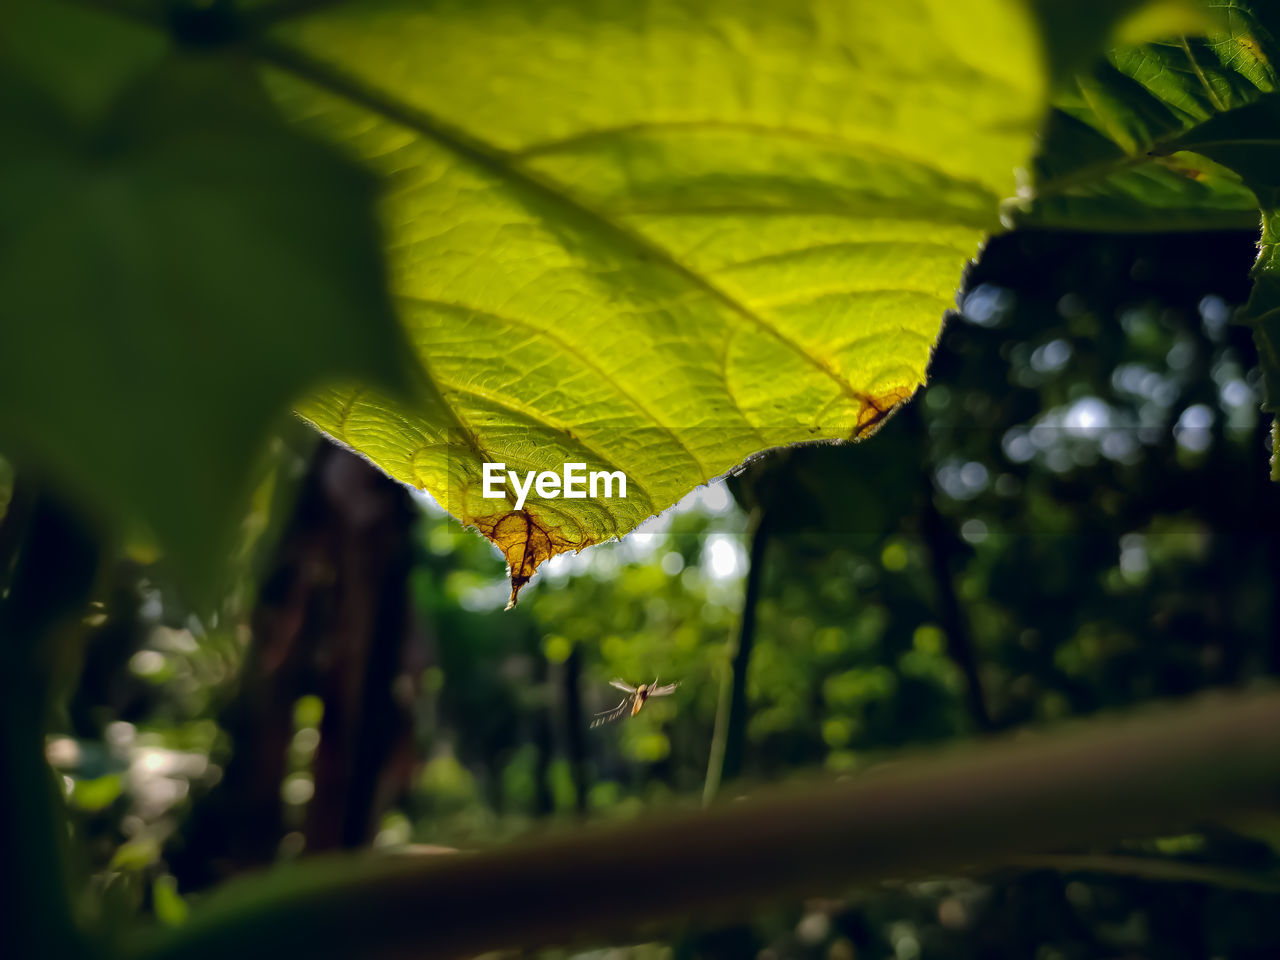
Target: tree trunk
pixel 331 620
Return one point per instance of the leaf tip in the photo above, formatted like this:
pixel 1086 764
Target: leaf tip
pixel 527 542
pixel 516 584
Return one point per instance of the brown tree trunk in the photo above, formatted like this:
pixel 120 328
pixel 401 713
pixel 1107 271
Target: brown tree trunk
pixel 331 620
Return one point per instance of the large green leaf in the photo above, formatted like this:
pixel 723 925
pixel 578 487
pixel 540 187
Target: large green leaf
pixel 658 237
pixel 178 265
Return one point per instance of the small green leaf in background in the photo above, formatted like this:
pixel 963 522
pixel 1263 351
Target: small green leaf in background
pixel 177 269
pixel 98 793
pixel 137 853
pixel 171 910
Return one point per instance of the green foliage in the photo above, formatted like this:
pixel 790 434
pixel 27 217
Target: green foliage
pixel 178 266
pixel 1079 28
pixel 171 909
pixel 1170 135
pixel 1248 142
pixel 1069 610
pixel 1112 157
pixel 660 238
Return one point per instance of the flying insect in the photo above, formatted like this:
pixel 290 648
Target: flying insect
pixel 635 699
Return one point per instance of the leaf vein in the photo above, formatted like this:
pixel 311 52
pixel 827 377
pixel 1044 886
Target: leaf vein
pixel 513 408
pixel 502 164
pixel 578 355
pixel 784 255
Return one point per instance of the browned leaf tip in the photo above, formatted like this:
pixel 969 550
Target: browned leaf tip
pixel 526 542
pixel 877 409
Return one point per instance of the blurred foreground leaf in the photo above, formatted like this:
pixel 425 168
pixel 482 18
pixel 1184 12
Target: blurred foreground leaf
pixel 174 275
pixel 1142 776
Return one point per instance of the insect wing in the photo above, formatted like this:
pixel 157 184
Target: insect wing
pixel 663 690
pixel 608 716
pixel 622 685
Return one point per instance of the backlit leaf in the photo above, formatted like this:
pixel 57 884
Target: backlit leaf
pixel 660 237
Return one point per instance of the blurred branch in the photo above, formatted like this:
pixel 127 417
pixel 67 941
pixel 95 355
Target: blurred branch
pixel 955 811
pixel 544 740
pixel 1263 506
pixel 41 621
pixel 1150 868
pixel 728 740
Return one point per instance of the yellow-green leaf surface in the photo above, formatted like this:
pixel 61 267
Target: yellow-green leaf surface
pixel 659 236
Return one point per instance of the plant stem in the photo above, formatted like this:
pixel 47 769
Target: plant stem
pixel 574 724
pixel 729 737
pixel 941 543
pixel 964 809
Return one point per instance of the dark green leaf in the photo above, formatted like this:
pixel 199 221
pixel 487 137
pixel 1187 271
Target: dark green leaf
pixel 1107 163
pixel 173 278
pixel 1248 141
